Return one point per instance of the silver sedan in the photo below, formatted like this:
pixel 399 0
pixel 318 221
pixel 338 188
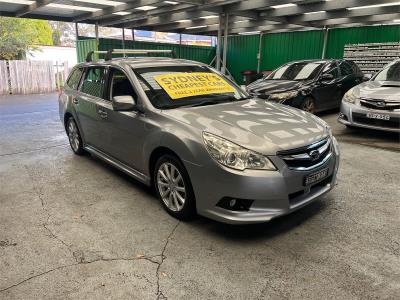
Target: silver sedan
pixel 374 104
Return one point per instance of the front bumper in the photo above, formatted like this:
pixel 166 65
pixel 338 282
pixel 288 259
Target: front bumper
pixel 348 112
pixel 274 193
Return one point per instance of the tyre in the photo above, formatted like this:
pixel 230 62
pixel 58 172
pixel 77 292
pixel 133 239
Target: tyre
pixel 308 105
pixel 173 187
pixel 74 137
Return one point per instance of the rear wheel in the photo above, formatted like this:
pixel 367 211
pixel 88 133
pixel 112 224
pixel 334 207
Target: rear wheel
pixel 74 137
pixel 173 187
pixel 308 105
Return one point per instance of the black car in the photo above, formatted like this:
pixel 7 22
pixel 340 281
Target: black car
pixel 311 85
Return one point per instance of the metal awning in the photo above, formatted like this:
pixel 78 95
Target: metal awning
pixel 204 16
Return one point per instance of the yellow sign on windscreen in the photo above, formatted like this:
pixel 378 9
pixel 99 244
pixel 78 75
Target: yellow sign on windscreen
pixel 181 85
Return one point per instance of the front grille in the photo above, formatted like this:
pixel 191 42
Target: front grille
pixel 393 122
pixel 379 104
pixel 308 157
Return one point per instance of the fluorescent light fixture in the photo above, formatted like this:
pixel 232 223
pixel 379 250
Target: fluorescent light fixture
pixel 249 32
pixel 374 5
pixel 183 21
pixel 122 13
pixel 24 2
pixel 209 17
pixel 146 7
pixel 171 2
pixel 241 21
pixel 103 2
pixel 72 7
pixel 396 20
pixel 315 12
pixel 196 27
pixel 284 5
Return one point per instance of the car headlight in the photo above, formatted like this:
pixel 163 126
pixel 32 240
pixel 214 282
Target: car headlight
pixel 283 96
pixel 349 97
pixel 234 156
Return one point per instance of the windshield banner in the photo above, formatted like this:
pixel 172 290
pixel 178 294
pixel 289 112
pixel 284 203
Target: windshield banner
pixel 182 85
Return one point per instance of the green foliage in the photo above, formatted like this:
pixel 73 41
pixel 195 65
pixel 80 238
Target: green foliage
pixel 20 35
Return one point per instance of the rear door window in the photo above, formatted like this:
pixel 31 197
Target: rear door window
pixel 74 78
pixel 94 81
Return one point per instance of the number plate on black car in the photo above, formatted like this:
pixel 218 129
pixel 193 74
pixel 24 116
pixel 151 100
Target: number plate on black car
pixel 315 177
pixel 378 116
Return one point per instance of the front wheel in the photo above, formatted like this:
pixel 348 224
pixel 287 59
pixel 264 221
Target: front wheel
pixel 74 137
pixel 308 105
pixel 173 187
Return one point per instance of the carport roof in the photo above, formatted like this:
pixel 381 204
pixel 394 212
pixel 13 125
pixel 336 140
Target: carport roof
pixel 201 16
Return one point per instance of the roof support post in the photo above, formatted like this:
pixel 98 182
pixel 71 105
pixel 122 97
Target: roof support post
pixel 259 53
pixel 326 32
pixel 96 31
pixel 123 38
pixel 225 50
pixel 76 31
pixel 219 41
pixel 180 45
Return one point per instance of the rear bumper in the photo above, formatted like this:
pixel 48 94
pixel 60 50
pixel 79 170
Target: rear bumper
pixel 348 110
pixel 273 193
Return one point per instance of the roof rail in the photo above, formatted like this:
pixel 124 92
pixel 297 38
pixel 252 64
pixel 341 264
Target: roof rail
pixel 136 51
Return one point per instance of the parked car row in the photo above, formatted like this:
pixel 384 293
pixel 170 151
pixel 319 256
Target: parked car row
pixel 318 85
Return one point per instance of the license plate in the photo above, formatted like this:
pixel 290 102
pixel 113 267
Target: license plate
pixel 378 116
pixel 315 177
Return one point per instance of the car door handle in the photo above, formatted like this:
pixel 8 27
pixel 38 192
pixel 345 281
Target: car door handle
pixel 75 100
pixel 340 84
pixel 103 114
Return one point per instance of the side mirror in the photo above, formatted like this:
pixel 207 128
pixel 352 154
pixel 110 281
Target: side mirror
pixel 367 77
pixel 124 103
pixel 326 77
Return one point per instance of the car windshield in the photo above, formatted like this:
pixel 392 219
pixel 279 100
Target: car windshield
pixel 389 73
pixel 297 71
pixel 170 87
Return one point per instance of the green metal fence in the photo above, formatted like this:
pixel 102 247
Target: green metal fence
pixel 339 37
pixel 197 53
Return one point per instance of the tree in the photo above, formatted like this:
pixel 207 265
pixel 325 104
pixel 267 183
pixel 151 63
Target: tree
pixel 17 36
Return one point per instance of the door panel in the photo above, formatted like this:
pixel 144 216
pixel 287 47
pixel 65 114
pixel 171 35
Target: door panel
pixel 91 93
pixel 123 132
pixel 328 93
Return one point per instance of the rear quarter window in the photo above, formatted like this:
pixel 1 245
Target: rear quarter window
pixel 74 78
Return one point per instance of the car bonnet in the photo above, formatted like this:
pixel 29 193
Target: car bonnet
pixel 255 124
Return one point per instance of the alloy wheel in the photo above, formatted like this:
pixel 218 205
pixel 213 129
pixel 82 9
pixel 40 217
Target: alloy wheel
pixel 73 136
pixel 308 105
pixel 171 186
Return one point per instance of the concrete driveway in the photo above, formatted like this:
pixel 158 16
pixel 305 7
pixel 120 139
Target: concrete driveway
pixel 74 228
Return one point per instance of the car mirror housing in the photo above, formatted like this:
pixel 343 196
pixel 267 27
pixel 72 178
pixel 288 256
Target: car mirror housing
pixel 124 103
pixel 326 77
pixel 367 77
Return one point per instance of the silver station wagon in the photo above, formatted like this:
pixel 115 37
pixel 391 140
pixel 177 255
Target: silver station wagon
pixel 205 145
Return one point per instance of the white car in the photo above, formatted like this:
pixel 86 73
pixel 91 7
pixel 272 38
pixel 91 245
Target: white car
pixel 375 103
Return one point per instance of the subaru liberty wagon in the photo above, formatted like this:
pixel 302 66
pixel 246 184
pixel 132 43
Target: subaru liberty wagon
pixel 203 143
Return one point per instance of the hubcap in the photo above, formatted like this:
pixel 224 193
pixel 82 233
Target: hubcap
pixel 308 106
pixel 73 135
pixel 171 186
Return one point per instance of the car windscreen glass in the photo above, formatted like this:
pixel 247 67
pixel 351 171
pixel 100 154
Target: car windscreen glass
pixel 176 86
pixel 297 71
pixel 390 73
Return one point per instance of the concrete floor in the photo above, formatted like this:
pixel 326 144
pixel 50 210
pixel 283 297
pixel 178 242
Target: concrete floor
pixel 73 227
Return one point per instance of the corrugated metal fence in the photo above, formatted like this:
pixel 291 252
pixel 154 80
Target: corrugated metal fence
pixel 198 53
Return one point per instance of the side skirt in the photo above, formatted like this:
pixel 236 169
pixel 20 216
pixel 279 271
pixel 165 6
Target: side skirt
pixel 119 165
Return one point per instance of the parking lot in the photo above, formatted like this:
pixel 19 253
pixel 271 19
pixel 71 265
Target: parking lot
pixel 74 227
